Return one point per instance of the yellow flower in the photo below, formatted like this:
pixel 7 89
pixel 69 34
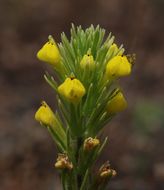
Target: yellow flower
pixel 72 89
pixel 46 117
pixel 49 53
pixel 118 66
pixel 117 104
pixel 90 143
pixel 87 62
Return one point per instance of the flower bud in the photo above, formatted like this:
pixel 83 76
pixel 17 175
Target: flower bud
pixel 90 143
pixel 72 89
pixel 87 62
pixel 117 104
pixel 118 66
pixel 49 53
pixel 63 162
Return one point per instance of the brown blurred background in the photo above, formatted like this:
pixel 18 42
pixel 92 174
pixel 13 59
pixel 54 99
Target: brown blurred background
pixel 136 151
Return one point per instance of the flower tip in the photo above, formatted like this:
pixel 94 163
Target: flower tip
pixel 50 38
pixel 114 46
pixel 114 173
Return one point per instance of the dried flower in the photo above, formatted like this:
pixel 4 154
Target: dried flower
pixel 63 162
pixel 90 143
pixel 105 171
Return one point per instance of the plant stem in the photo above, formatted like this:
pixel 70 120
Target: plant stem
pixel 79 177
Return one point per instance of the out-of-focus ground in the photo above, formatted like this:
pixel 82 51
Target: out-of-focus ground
pixel 136 136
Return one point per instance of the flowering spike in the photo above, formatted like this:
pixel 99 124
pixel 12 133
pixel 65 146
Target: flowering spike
pixel 72 89
pixel 88 66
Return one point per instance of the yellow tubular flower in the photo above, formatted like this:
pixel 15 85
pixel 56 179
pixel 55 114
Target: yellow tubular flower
pixel 87 62
pixel 49 53
pixel 118 66
pixel 46 117
pixel 72 89
pixel 117 104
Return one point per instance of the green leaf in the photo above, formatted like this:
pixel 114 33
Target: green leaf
pixel 50 80
pixel 84 183
pixel 57 140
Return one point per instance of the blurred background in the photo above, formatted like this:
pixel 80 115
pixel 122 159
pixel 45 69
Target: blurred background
pixel 135 150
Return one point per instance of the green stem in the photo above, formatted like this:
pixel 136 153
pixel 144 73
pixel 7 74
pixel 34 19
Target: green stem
pixel 79 177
